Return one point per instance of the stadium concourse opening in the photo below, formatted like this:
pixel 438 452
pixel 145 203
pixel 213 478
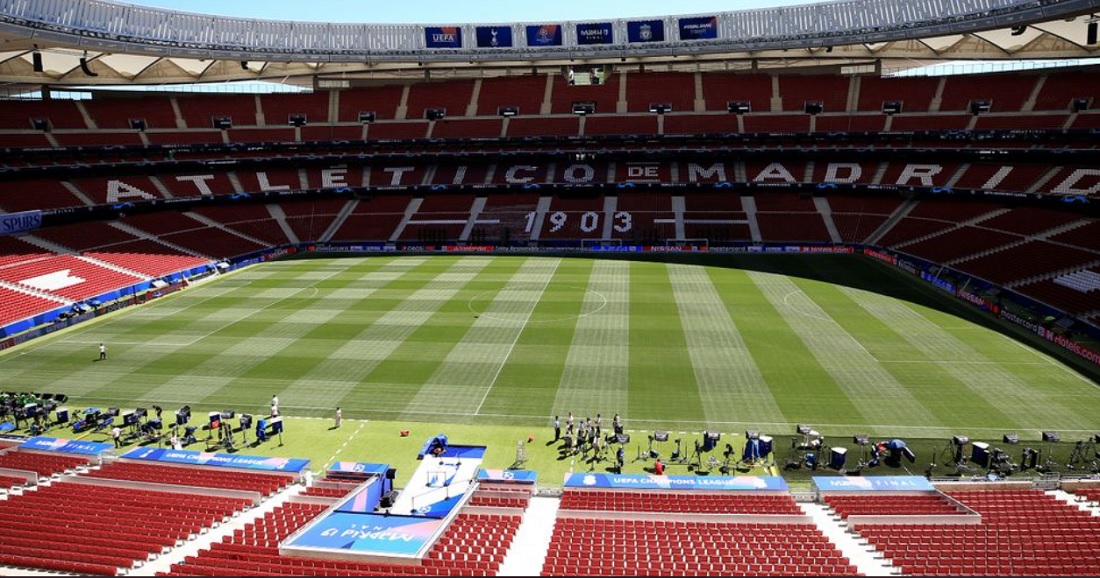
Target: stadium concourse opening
pixel 708 294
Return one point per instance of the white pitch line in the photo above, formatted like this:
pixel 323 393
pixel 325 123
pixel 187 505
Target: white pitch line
pixel 346 442
pixel 829 319
pixel 519 334
pixel 239 319
pixel 849 426
pixel 1047 359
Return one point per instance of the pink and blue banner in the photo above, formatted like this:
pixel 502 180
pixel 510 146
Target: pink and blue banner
pixel 48 444
pixel 652 482
pixel 358 468
pixel 196 458
pixel 368 534
pixel 872 484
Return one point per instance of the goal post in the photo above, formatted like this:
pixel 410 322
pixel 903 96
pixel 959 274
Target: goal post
pixel 590 243
pixel 699 242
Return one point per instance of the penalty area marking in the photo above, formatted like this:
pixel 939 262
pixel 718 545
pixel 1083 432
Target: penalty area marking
pixel 470 304
pixel 829 319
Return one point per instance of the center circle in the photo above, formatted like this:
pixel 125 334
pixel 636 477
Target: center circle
pixel 517 302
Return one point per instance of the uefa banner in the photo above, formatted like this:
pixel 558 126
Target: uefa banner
pixel 645 31
pixel 508 476
pixel 544 35
pixel 649 482
pixel 699 28
pixel 493 36
pixel 443 37
pixel 873 484
pixel 594 33
pixel 15 223
pixel 48 444
pixel 359 468
pixel 196 458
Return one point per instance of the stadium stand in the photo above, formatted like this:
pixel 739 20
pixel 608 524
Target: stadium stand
pixel 472 545
pixel 522 92
pixel 16 305
pixel 35 194
pixel 45 465
pixel 66 276
pixel 1058 538
pixel 890 505
pixel 265 484
pixel 140 523
pixel 199 111
pixel 678 502
pixel 674 88
pixel 589 547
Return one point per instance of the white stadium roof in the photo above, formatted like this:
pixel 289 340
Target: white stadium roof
pixel 128 44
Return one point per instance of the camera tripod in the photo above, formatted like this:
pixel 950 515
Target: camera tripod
pixel 952 454
pixel 678 456
pixel 1084 456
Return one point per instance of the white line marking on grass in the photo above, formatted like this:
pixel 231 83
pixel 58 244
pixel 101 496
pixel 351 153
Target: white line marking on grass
pixel 659 422
pixel 1047 359
pixel 519 334
pixel 470 305
pixel 346 442
pixel 239 319
pixel 829 319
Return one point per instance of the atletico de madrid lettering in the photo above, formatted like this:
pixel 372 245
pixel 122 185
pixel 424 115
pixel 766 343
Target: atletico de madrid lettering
pixel 1067 181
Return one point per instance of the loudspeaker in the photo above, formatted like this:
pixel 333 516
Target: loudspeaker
pixel 244 65
pixel 508 110
pixel 246 421
pixel 1080 104
pixel 435 113
pixel 660 107
pixel 765 446
pixel 813 107
pixel 391 473
pixel 42 124
pixel 1091 33
pixel 583 108
pixel 738 106
pixel 660 436
pixel 366 116
pixel 960 440
pixel 1018 30
pixel 838 457
pixel 141 412
pixel 1011 438
pixel 1050 436
pixel 979 106
pixel 36 61
pixel 891 106
pixel 63 415
pixel 222 122
pixel 137 123
pixel 296 119
pixel 113 411
pixel 228 413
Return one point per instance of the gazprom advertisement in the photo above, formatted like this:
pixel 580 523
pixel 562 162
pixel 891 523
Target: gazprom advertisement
pixel 13 223
pixel 369 533
pixel 594 33
pixel 650 482
pixel 645 31
pixel 493 36
pixel 443 36
pixel 196 458
pixel 48 444
pixel 699 28
pixel 873 484
pixel 544 35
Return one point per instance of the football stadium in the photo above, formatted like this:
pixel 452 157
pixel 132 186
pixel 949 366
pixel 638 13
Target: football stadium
pixel 795 290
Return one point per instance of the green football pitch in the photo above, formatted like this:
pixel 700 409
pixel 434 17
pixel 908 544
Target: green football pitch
pixel 480 340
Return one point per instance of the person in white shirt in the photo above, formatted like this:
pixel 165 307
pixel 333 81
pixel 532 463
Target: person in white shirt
pixel 102 352
pixel 116 433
